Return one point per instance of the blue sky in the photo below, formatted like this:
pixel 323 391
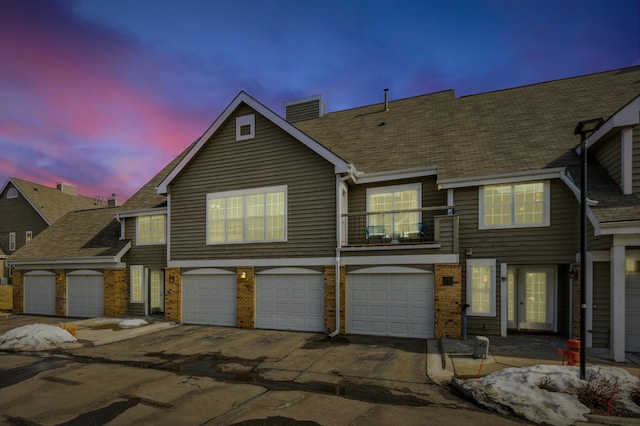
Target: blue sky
pixel 102 94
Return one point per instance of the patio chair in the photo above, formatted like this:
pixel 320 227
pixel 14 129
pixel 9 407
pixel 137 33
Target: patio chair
pixel 375 231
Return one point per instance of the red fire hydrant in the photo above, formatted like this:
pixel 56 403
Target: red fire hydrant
pixel 573 351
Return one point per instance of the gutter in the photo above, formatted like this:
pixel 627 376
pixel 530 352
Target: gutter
pixel 121 226
pixel 564 177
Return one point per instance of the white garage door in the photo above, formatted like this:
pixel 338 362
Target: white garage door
pixel 632 308
pixel 391 304
pixel 85 295
pixel 293 301
pixel 209 299
pixel 39 293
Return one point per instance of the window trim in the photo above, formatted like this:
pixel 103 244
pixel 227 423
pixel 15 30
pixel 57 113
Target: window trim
pixel 546 207
pixel 28 236
pixel 12 241
pixel 245 194
pixel 141 269
pixel 245 120
pixel 492 297
pixel 416 186
pixel 151 242
pixel 12 193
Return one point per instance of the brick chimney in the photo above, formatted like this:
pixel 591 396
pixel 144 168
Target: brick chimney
pixel 304 109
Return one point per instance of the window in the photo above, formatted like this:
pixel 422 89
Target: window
pixel 150 229
pixel 388 201
pixel 12 241
pixel 137 284
pixel 514 205
pixel 245 127
pixel 28 237
pixel 481 287
pixel 247 216
pixel 12 193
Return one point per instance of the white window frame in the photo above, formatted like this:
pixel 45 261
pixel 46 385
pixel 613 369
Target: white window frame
pixel 28 236
pixel 546 207
pixel 471 263
pixel 245 194
pixel 392 189
pixel 12 241
pixel 135 288
pixel 12 193
pixel 242 121
pixel 141 242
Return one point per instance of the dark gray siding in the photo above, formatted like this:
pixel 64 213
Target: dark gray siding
pixel 151 256
pixel 553 245
pixel 609 156
pixel 272 158
pixel 601 304
pixel 636 160
pixel 304 110
pixel 17 215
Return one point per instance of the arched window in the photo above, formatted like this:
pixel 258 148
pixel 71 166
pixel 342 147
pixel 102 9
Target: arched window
pixel 12 193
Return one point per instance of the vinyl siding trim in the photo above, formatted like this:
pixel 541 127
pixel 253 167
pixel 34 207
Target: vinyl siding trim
pixel 530 175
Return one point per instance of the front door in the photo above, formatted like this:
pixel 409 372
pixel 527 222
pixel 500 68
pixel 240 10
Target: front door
pixel 532 295
pixel 156 289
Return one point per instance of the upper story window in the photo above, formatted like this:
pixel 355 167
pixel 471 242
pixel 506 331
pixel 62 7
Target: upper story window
pixel 516 205
pixel 247 216
pixel 12 241
pixel 28 237
pixel 12 193
pixel 150 229
pixel 245 127
pixel 389 205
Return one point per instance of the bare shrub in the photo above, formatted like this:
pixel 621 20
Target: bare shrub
pixel 596 394
pixel 547 384
pixel 635 394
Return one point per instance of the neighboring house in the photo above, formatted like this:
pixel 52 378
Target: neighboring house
pixel 27 209
pixel 390 218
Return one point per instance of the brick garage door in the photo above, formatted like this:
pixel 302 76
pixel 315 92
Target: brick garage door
pixel 397 303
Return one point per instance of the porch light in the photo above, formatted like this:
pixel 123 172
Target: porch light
pixel 584 128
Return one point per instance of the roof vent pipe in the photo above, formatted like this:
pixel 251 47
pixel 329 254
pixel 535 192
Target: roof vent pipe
pixel 386 99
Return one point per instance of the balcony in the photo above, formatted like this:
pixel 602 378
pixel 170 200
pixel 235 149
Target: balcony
pixel 433 226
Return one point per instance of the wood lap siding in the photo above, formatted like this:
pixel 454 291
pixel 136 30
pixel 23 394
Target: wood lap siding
pixel 151 256
pixel 17 215
pixel 636 159
pixel 601 305
pixel 609 156
pixel 272 158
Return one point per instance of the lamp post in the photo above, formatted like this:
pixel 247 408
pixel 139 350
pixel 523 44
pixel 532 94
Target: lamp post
pixel 583 129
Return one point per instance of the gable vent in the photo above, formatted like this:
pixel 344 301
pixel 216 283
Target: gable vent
pixel 304 109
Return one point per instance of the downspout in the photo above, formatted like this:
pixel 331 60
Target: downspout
pixel 339 181
pixel 121 226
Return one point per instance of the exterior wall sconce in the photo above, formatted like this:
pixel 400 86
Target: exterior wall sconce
pixel 243 275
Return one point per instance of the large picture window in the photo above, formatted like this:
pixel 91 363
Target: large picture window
pixel 387 207
pixel 481 287
pixel 256 215
pixel 516 205
pixel 150 229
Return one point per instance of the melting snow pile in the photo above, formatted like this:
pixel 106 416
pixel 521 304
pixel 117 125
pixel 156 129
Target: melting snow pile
pixel 132 323
pixel 517 391
pixel 35 337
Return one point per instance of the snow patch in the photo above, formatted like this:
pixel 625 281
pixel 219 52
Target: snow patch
pixel 35 337
pixel 132 323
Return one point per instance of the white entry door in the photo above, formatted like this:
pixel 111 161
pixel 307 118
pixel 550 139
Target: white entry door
pixel 39 293
pixel 293 301
pixel 632 312
pixel 85 295
pixel 535 297
pixel 209 299
pixel 391 304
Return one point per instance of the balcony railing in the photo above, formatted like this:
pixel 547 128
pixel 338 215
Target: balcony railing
pixel 413 226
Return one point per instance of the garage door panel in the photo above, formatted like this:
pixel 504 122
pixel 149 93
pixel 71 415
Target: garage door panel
pixel 40 295
pixel 85 295
pixel 209 299
pixel 390 304
pixel 290 302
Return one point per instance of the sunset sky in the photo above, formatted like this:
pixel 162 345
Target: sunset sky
pixel 104 93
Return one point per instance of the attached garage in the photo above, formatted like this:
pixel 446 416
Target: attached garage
pixel 632 317
pixel 209 297
pixel 39 293
pixel 290 299
pixel 390 301
pixel 85 294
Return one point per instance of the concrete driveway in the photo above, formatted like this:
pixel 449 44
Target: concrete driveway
pixel 168 374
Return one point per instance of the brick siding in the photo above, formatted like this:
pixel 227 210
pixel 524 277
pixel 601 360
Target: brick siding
pixel 18 291
pixel 245 298
pixel 448 300
pixel 172 294
pixel 116 292
pixel 330 299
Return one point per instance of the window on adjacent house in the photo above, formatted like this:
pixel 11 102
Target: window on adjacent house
pixel 481 287
pixel 12 193
pixel 514 205
pixel 245 127
pixel 247 216
pixel 388 201
pixel 150 229
pixel 12 241
pixel 137 284
pixel 28 237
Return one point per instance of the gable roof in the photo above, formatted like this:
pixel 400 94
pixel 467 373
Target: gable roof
pixel 50 203
pixel 523 129
pixel 339 164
